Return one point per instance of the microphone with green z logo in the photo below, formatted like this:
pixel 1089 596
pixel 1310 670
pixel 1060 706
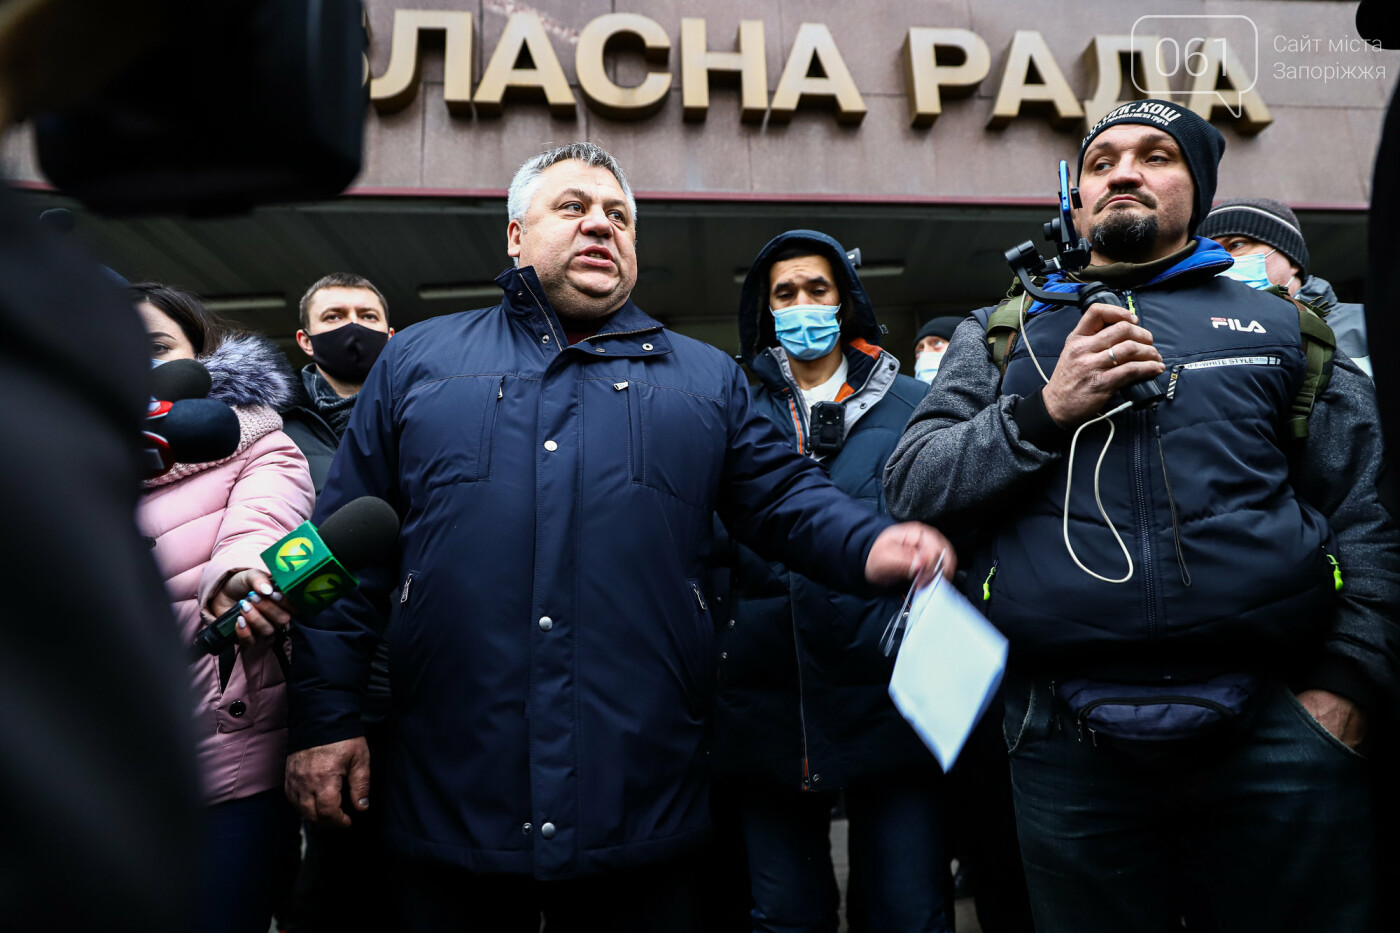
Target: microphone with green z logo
pixel 313 566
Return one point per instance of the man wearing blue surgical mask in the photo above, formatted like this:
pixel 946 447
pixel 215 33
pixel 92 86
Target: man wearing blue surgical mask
pixel 1264 238
pixel 930 343
pixel 803 710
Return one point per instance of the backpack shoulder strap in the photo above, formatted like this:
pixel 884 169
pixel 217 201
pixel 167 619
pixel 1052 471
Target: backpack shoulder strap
pixel 1319 346
pixel 1004 326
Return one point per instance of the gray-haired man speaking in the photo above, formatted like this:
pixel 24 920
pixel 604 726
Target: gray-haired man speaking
pixel 557 460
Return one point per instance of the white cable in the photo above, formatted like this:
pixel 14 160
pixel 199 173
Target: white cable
pixel 1069 480
pixel 1026 337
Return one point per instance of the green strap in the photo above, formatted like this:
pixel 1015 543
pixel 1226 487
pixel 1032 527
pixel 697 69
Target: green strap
pixel 1003 326
pixel 1319 346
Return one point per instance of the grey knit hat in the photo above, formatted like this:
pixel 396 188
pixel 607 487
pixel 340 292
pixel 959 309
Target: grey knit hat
pixel 1261 219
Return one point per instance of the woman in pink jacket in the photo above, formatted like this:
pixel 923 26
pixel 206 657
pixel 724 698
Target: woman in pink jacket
pixel 208 524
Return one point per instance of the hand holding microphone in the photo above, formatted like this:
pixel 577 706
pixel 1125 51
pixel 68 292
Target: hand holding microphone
pixel 307 570
pixel 260 608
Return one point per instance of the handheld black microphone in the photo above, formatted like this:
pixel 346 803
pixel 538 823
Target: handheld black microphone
pixel 312 567
pixel 180 379
pixel 191 430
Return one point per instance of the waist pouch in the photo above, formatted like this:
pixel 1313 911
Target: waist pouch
pixel 1162 713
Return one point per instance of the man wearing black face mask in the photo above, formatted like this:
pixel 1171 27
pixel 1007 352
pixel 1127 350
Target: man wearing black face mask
pixel 344 326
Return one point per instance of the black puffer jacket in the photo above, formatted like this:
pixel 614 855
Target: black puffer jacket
pixel 803 699
pixel 308 427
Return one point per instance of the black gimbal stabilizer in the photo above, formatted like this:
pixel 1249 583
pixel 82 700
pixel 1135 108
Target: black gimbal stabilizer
pixel 1071 255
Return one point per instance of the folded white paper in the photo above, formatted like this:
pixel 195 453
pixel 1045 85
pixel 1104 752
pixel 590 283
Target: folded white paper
pixel 948 669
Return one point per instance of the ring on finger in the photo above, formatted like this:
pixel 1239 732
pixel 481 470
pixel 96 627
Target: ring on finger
pixel 1112 357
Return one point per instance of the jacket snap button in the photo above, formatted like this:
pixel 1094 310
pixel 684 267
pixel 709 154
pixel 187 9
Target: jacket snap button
pixel 724 655
pixel 646 346
pixel 237 708
pixel 602 349
pixel 816 779
pixel 547 830
pixel 731 623
pixel 551 446
pixel 546 623
pixel 525 829
pixel 545 338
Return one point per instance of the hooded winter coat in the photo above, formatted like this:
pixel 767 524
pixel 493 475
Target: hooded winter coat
pixel 207 521
pixel 553 650
pixel 803 696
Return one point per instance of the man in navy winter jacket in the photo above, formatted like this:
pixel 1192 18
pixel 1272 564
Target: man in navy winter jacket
pixel 803 709
pixel 557 460
pixel 1188 687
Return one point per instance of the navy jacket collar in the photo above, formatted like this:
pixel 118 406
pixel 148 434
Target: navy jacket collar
pixel 629 332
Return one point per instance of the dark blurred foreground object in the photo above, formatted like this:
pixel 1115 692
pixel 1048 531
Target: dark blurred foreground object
pixel 98 794
pixel 243 102
pixel 1380 19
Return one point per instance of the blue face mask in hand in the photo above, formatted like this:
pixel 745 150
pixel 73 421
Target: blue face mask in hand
pixel 1250 270
pixel 807 332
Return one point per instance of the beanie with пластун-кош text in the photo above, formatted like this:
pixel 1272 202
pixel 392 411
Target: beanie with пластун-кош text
pixel 1201 144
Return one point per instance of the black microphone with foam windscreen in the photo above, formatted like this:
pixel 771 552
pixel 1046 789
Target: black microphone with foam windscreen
pixel 191 430
pixel 182 425
pixel 313 566
pixel 180 379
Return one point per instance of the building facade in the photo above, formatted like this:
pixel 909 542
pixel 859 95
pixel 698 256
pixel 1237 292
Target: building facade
pixel 925 132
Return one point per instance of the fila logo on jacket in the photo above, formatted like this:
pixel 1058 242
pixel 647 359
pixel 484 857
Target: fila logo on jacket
pixel 1253 327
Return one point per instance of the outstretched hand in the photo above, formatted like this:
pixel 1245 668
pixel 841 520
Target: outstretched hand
pixel 909 551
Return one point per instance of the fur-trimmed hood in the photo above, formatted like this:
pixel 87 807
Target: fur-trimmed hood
pixel 249 374
pixel 248 369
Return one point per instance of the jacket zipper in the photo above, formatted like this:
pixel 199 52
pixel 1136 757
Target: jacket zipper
pixel 407 582
pixel 1171 381
pixel 987 583
pixel 1149 584
pixel 1171 503
pixel 801 702
pixel 545 315
pixel 695 588
pixel 621 333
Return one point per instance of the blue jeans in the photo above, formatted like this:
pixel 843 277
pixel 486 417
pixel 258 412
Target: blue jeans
pixel 899 879
pixel 248 856
pixel 1266 828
